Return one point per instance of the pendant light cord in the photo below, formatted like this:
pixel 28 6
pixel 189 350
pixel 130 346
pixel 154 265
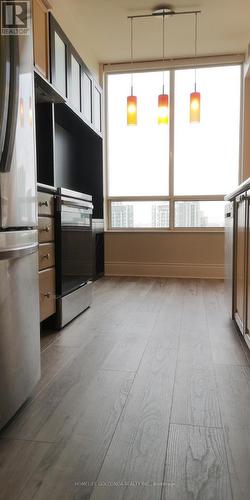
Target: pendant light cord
pixel 195 45
pixel 163 52
pixel 131 52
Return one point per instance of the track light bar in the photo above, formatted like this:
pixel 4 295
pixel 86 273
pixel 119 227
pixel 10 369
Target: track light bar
pixel 165 12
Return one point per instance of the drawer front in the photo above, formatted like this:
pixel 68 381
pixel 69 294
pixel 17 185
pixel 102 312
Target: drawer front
pixel 47 293
pixel 46 255
pixel 45 204
pixel 45 229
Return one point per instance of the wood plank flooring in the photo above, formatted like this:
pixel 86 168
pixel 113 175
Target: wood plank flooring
pixel 145 396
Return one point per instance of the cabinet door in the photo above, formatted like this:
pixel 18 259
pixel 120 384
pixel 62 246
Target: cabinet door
pixel 97 108
pixel 229 256
pixel 240 262
pixel 248 268
pixel 41 46
pixel 75 82
pixel 59 53
pixel 87 96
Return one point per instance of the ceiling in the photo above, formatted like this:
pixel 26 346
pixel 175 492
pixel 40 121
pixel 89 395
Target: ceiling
pixel 100 28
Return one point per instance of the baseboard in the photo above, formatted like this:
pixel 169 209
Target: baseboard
pixel 164 270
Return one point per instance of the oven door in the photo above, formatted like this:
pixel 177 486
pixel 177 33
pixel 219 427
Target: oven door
pixel 76 246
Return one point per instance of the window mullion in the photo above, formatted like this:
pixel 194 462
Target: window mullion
pixel 171 151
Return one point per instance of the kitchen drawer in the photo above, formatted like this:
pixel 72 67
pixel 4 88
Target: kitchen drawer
pixel 47 293
pixel 45 204
pixel 45 229
pixel 46 255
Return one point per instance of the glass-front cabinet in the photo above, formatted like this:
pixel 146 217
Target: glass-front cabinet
pixel 87 96
pixel 75 82
pixel 97 108
pixel 71 77
pixel 59 58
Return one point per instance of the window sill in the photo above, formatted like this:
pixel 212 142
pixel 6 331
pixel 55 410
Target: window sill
pixel 168 231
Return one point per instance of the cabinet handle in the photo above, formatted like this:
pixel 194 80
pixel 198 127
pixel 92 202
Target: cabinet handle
pixel 47 295
pixel 43 204
pixel 46 256
pixel 45 229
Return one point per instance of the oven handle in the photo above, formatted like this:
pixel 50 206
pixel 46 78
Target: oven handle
pixel 79 226
pixel 77 204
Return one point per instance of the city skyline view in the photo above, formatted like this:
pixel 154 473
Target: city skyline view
pixel 141 214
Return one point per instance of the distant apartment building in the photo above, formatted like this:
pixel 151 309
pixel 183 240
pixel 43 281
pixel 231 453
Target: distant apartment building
pixel 122 215
pixel 160 215
pixel 189 214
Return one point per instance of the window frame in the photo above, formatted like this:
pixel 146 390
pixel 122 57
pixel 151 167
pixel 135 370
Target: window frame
pixel 170 66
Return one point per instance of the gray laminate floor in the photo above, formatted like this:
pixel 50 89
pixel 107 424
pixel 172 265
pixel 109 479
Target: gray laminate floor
pixel 146 396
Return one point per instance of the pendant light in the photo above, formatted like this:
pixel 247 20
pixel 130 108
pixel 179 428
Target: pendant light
pixel 195 97
pixel 131 99
pixel 163 101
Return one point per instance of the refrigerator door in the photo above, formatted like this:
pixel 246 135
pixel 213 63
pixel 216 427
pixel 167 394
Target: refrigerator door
pixel 19 320
pixel 17 145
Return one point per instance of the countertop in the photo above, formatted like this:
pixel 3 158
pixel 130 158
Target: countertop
pixel 46 188
pixel 244 186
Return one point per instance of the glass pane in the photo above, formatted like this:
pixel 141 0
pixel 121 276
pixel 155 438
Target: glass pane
pixel 75 83
pixel 97 110
pixel 199 213
pixel 207 153
pixel 137 155
pixel 87 97
pixel 140 214
pixel 60 64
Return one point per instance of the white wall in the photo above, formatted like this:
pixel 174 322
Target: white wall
pixel 74 27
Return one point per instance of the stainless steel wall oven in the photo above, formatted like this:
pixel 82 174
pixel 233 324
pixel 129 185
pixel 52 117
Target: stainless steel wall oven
pixel 74 249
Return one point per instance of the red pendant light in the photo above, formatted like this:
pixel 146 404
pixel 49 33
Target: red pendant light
pixel 195 97
pixel 163 110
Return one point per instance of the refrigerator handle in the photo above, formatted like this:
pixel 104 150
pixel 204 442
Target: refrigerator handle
pixel 10 131
pixel 16 253
pixel 4 88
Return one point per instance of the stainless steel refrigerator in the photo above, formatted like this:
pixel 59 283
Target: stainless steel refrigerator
pixel 19 296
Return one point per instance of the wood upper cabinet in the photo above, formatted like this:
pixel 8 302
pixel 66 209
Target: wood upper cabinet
pixel 41 36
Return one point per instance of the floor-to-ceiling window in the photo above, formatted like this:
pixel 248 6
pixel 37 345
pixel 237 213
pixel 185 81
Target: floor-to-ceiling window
pixel 176 175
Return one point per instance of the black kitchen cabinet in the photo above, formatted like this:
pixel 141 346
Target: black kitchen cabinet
pixel 87 96
pixel 97 102
pixel 74 65
pixel 69 131
pixel 59 64
pixel 72 78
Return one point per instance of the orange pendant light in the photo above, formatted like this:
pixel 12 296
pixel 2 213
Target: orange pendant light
pixel 163 102
pixel 131 99
pixel 163 109
pixel 195 107
pixel 195 97
pixel 131 110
